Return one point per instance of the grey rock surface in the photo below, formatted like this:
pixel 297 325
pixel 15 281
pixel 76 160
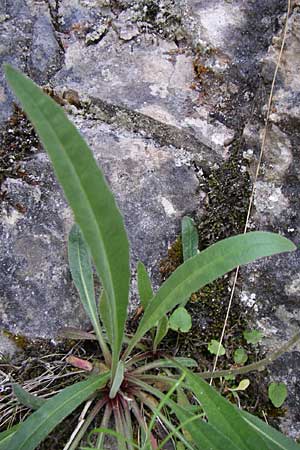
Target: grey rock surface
pixel 154 186
pixel 163 91
pixel 28 41
pixel 274 283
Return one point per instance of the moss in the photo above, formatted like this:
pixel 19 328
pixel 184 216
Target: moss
pixel 151 11
pixel 228 191
pixel 164 18
pixel 20 341
pixel 18 140
pixel 172 261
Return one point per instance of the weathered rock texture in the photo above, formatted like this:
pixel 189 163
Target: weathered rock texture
pixel 162 91
pixel 275 282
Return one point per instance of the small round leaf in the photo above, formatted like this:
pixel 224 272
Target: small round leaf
pixel 240 356
pixel 180 320
pixel 213 347
pixel 243 384
pixel 277 393
pixel 252 336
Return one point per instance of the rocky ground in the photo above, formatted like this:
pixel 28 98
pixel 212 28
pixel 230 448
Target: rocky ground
pixel 171 97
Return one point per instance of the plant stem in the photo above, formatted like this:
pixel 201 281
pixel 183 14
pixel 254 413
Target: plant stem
pixel 138 357
pixel 119 423
pixel 166 398
pixel 127 424
pixel 104 348
pixel 104 424
pixel 154 379
pixel 175 431
pixel 158 364
pixel 259 365
pixel 98 406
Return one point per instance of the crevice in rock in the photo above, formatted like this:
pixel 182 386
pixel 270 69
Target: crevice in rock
pixel 53 6
pixel 162 133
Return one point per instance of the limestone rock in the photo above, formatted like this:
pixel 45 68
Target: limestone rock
pixel 164 91
pixel 154 188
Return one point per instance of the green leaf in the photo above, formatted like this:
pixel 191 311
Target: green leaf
pixel 274 439
pixel 213 348
pixel 88 194
pixel 161 331
pixel 35 429
pixel 204 268
pixel 75 334
pixel 224 416
pixel 6 435
pixel 106 317
pixel 229 377
pixel 277 393
pixel 204 436
pixel 189 237
pixel 240 356
pixel 113 433
pixel 252 336
pixel 180 320
pixel 27 399
pixel 118 380
pixel 82 273
pixel 144 285
pixel 180 446
pixel 243 385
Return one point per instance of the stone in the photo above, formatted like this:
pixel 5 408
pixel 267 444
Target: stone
pixel 29 42
pixel 164 92
pixel 154 190
pixel 275 281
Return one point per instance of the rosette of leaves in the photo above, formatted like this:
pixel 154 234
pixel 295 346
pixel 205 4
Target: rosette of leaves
pixel 123 386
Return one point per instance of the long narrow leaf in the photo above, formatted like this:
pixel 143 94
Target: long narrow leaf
pixel 5 436
pixel 224 416
pixel 144 285
pixel 106 317
pixel 82 273
pixel 274 439
pixel 27 399
pixel 73 333
pixel 34 430
pixel 189 238
pixel 118 380
pixel 161 331
pixel 204 268
pixel 204 435
pixel 88 195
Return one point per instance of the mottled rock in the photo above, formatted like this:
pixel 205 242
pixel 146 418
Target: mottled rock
pixel 154 186
pixel 163 91
pixel 29 42
pixel 275 282
pixel 45 53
